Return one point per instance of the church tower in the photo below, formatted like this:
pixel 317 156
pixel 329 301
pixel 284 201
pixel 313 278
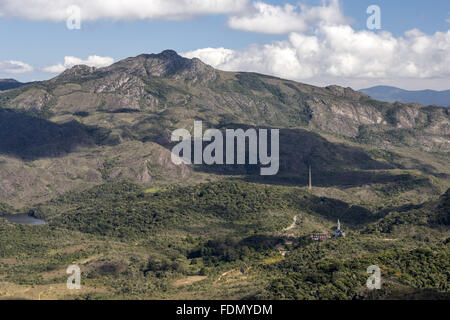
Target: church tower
pixel 339 232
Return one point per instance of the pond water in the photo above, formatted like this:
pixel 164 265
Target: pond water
pixel 24 219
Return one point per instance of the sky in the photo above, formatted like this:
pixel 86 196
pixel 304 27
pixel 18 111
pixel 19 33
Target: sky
pixel 320 42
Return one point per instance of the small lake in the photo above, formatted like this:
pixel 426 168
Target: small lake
pixel 24 219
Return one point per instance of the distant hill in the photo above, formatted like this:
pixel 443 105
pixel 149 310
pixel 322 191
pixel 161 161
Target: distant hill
pixel 6 84
pixel 424 97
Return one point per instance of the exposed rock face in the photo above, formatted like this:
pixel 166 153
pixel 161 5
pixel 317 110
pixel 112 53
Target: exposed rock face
pixel 187 88
pixel 33 99
pixel 167 64
pixel 40 179
pixel 346 92
pixel 76 72
pixel 145 177
pixel 106 122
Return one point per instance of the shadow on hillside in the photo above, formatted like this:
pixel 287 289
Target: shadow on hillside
pixel 332 164
pixel 343 179
pixel 29 137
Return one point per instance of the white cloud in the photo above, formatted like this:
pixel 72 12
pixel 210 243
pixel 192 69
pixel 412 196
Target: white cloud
pixel 266 18
pixel 69 62
pixel 338 53
pixel 14 67
pixel 321 46
pixel 212 56
pixel 56 10
pixel 270 19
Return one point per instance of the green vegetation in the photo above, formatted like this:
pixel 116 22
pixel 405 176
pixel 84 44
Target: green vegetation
pixel 89 151
pixel 137 242
pixel 305 274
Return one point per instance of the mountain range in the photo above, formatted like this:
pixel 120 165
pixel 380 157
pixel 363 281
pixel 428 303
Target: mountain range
pixel 424 97
pixel 119 119
pixel 89 151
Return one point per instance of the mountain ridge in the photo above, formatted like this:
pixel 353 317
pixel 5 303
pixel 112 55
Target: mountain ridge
pixel 165 64
pixel 137 102
pixel 7 84
pixel 424 97
pixel 134 76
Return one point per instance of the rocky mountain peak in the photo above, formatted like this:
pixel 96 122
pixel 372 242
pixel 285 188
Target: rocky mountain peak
pixel 168 54
pixel 77 71
pixel 346 92
pixel 167 64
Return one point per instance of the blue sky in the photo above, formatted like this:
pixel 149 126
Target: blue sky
pixel 41 41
